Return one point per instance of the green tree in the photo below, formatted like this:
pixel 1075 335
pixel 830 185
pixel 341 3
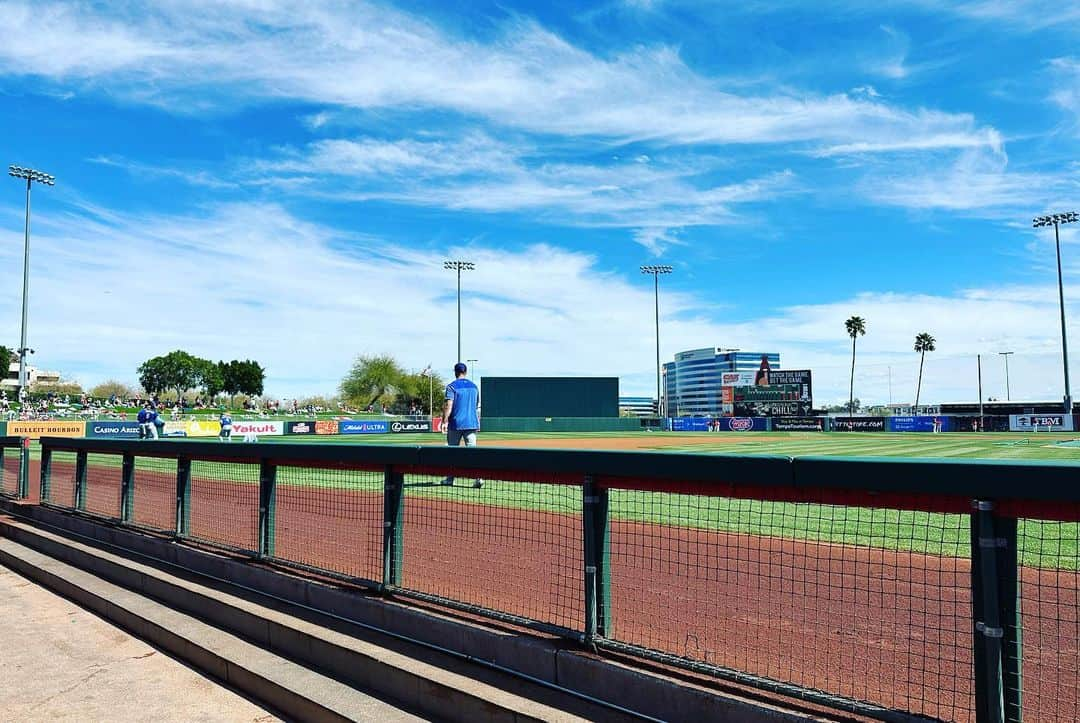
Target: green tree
pixel 109 387
pixel 372 379
pixel 856 326
pixel 176 370
pixel 923 343
pixel 211 379
pixel 420 388
pixel 248 376
pixel 7 357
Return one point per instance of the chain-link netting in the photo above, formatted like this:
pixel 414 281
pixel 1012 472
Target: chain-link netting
pixel 154 493
pixel 225 504
pixel 104 473
pixel 61 488
pixel 869 604
pixel 330 519
pixel 1049 605
pixel 513 547
pixel 9 469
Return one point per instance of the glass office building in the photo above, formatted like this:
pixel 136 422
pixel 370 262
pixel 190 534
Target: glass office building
pixel 692 382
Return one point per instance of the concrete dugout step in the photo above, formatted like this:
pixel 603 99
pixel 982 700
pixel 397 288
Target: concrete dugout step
pixel 457 670
pixel 307 670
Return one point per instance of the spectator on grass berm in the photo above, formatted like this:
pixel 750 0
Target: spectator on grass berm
pixel 462 421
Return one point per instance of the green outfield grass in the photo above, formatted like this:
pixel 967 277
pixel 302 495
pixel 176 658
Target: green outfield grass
pixel 1042 544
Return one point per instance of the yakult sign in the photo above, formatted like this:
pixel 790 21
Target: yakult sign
pixel 259 428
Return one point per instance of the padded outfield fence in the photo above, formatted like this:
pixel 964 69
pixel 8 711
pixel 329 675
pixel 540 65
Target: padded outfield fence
pixel 889 588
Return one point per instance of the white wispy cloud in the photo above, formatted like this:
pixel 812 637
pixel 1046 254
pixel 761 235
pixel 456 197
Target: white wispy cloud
pixel 110 290
pixel 1066 93
pixel 367 56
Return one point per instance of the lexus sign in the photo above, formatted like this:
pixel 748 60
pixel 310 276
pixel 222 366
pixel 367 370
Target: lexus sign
pixel 404 427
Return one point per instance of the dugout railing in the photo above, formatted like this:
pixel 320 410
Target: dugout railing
pixel 14 467
pixel 888 588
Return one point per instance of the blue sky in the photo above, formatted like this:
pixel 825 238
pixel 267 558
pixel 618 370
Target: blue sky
pixel 282 182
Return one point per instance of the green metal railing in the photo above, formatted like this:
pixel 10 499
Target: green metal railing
pixel 911 581
pixel 14 467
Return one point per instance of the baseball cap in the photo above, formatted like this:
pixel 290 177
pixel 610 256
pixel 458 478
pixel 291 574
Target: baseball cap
pixel 460 368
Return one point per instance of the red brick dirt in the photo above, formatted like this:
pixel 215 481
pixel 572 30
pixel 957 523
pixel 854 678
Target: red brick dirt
pixel 890 628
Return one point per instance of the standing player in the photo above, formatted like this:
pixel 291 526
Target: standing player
pixel 225 435
pixel 462 421
pixel 144 422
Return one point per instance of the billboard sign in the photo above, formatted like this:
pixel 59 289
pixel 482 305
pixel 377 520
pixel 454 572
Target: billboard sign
pixel 267 428
pixel 798 424
pixel 772 409
pixel 352 426
pixel 413 425
pixel 326 426
pixel 1017 422
pixel 800 377
pixel 300 427
pixel 737 379
pixel 744 424
pixel 919 424
pixel 116 430
pixel 771 393
pixel 690 424
pixel 858 424
pixel 37 430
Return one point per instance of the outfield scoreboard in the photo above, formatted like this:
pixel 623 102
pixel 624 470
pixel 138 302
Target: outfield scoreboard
pixel 772 393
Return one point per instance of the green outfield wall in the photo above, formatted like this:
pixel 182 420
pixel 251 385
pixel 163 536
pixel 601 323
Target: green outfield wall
pixel 560 424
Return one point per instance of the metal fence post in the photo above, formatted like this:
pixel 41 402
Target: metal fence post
pixel 46 474
pixel 393 518
pixel 267 507
pixel 22 490
pixel 597 554
pixel 987 624
pixel 1012 653
pixel 80 480
pixel 127 488
pixel 183 496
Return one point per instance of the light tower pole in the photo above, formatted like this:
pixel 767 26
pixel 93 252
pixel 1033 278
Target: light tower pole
pixel 459 266
pixel 656 271
pixel 1008 393
pixel 31 176
pixel 1055 220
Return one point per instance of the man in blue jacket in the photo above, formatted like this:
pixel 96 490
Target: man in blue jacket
pixel 460 413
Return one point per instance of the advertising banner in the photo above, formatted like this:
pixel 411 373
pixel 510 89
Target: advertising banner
pixel 727 395
pixel 771 393
pixel 201 428
pixel 1017 422
pixel 270 429
pixel 737 379
pixel 919 424
pixel 413 425
pixel 176 429
pixel 772 409
pixel 351 426
pixel 690 424
pixel 799 377
pixel 300 427
pixel 121 430
pixel 798 424
pixel 744 424
pixel 37 430
pixel 326 426
pixel 858 424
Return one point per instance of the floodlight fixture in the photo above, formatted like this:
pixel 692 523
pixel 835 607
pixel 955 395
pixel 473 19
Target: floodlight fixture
pixel 1056 220
pixel 31 176
pixel 459 266
pixel 656 270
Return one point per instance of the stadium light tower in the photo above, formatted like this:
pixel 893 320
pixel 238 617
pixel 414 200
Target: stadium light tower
pixel 1005 354
pixel 656 271
pixel 459 266
pixel 1055 220
pixel 31 176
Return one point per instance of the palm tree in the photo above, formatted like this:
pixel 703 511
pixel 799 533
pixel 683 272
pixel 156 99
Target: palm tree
pixel 923 343
pixel 855 326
